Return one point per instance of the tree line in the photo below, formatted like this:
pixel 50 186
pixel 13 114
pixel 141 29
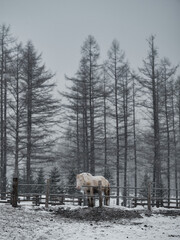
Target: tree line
pixel 119 123
pixel 38 183
pixel 28 110
pixel 123 123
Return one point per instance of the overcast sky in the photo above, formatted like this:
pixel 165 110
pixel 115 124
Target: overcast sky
pixel 58 28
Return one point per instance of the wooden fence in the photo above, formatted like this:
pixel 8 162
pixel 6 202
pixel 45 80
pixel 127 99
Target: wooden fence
pixel 47 197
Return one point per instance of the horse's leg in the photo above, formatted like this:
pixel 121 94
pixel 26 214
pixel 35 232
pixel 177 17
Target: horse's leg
pixel 91 197
pixel 107 195
pixel 108 198
pixel 88 198
pixel 105 200
pixel 89 201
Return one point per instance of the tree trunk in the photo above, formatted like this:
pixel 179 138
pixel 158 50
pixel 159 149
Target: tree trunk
pixel 105 127
pixel 175 149
pixel 77 138
pixel 134 139
pixel 125 109
pixel 117 136
pixel 91 106
pixel 29 121
pixel 5 135
pixel 168 142
pixel 157 165
pixel 16 168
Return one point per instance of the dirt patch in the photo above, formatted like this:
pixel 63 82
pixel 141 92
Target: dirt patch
pixel 97 214
pixel 174 213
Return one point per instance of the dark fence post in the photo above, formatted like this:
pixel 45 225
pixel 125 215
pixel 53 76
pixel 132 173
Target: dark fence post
pixel 14 194
pixel 36 200
pixel 135 201
pixel 47 193
pixel 79 201
pixel 100 193
pixel 149 196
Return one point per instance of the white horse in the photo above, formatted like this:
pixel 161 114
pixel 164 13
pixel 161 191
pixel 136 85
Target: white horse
pixel 89 185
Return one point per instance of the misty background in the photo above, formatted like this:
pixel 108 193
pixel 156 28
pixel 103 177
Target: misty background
pixel 58 28
pixel 119 119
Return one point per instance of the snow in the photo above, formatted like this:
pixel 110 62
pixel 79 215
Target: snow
pixel 28 222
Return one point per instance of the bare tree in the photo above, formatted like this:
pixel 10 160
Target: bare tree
pixel 73 115
pixel 83 101
pixel 5 51
pixel 166 114
pixel 116 68
pixel 149 81
pixel 16 105
pixel 176 131
pixel 41 112
pixel 90 53
pixel 134 95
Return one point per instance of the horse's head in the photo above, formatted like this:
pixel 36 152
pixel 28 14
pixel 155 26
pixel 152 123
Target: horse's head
pixel 79 181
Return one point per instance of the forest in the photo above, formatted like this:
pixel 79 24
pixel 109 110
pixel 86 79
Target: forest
pixel 111 120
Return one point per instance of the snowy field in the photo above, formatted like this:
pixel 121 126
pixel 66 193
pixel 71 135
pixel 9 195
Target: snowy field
pixel 27 222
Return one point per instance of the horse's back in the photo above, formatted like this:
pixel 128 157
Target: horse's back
pixel 103 180
pixel 89 180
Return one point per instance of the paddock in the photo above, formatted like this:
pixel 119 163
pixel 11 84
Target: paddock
pixel 16 197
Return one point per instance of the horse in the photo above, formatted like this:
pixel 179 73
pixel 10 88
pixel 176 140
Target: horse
pixel 89 185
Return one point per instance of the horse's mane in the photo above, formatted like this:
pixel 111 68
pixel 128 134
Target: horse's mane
pixel 88 178
pixel 89 174
pixel 85 176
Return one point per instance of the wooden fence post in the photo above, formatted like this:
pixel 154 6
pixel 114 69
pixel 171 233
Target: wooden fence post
pixel 14 194
pixel 149 196
pixel 79 201
pixel 100 193
pixel 47 193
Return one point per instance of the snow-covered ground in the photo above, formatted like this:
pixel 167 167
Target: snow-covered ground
pixel 28 223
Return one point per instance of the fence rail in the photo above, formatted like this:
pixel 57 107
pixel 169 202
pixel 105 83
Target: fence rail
pixel 47 196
